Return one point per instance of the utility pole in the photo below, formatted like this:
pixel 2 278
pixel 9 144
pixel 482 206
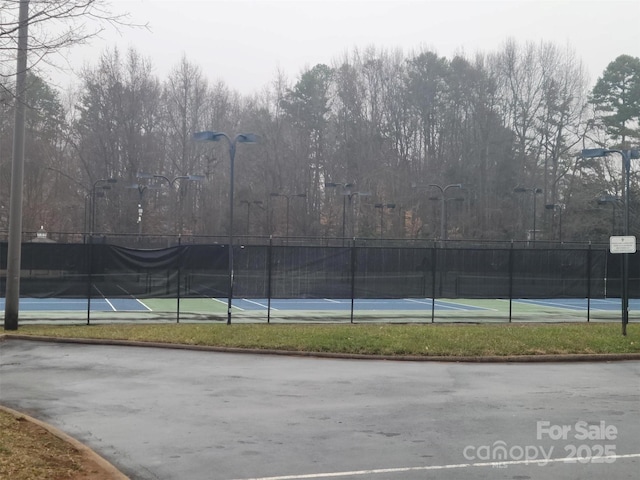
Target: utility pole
pixel 14 252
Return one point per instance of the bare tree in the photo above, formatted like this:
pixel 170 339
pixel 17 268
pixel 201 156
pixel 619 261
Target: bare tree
pixel 184 95
pixel 119 128
pixel 55 26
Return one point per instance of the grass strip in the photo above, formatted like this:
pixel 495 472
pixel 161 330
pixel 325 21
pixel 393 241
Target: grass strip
pixel 368 339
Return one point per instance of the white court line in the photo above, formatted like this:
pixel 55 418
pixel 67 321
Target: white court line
pixel 380 471
pixel 105 299
pixel 110 304
pixel 535 303
pixel 137 300
pixel 567 306
pixel 225 303
pixel 552 304
pixel 421 302
pixel 143 304
pixel 330 300
pixel 260 304
pixel 449 305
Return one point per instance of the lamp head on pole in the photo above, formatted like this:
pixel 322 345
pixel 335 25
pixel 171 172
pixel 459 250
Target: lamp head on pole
pixel 633 154
pixel 534 190
pixel 208 136
pixel 247 138
pixel 595 152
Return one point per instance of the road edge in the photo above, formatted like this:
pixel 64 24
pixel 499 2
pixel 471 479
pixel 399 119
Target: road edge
pixel 104 464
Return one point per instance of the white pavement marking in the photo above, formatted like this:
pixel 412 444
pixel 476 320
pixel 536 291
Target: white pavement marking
pixel 380 471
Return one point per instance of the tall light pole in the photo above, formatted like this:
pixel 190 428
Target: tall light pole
pixel 534 191
pixel 141 189
pixel 172 182
pixel 209 136
pixel 443 205
pixel 288 198
pixel 346 188
pixel 612 200
pixel 382 206
pixel 626 155
pixel 248 203
pixel 92 224
pixel 557 207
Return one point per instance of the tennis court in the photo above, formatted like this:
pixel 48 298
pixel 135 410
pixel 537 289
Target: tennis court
pixel 239 304
pixel 256 310
pixel 352 283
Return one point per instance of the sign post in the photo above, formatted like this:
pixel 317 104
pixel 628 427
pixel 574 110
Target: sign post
pixel 624 245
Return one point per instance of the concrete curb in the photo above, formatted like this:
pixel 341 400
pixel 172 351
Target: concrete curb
pixel 604 357
pixel 82 448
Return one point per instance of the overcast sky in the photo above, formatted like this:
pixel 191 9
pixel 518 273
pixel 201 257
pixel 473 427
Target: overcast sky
pixel 245 42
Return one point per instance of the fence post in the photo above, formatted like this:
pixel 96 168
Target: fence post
pixel 178 255
pixel 89 268
pixel 510 281
pixel 269 272
pixel 353 275
pixel 589 283
pixel 434 276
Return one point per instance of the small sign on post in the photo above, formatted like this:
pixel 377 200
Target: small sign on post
pixel 622 244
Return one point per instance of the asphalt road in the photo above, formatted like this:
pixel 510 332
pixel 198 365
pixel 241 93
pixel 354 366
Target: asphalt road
pixel 178 414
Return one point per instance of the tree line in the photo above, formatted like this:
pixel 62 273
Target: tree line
pixel 379 143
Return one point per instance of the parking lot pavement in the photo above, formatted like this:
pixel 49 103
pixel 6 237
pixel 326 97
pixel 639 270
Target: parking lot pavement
pixel 168 414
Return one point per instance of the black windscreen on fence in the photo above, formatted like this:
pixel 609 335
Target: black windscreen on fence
pixel 52 270
pixel 392 272
pixel 474 273
pixel 550 274
pixel 309 272
pixel 352 271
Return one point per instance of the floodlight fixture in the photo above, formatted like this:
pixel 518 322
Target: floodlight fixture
pixel 213 136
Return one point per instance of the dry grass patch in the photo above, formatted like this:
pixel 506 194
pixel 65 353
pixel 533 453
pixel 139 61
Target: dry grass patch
pixel 29 452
